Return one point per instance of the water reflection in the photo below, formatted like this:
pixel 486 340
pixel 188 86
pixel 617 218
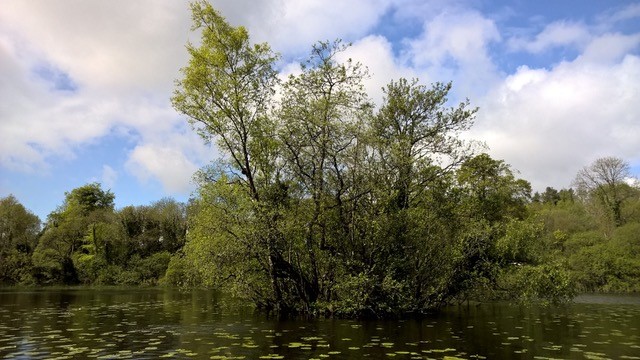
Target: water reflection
pixel 157 323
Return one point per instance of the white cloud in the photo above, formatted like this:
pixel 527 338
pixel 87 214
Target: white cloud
pixel 454 46
pixel 462 37
pixel 550 123
pixel 115 45
pixel 166 163
pixel 293 26
pixel 38 122
pixel 628 12
pixel 120 58
pixel 556 34
pixel 610 47
pixel 631 181
pixel 383 67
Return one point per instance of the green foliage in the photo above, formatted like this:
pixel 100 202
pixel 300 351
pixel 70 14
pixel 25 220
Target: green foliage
pixel 601 253
pixel 521 242
pixel 181 272
pixel 322 205
pixel 148 271
pixel 87 199
pixel 114 275
pixel 492 192
pixel 85 241
pixel 608 265
pixel 18 238
pixel 75 236
pixel 603 184
pixel 18 227
pixel 16 268
pixel 362 295
pixel 548 283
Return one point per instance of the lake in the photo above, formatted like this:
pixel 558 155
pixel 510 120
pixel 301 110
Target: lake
pixel 138 323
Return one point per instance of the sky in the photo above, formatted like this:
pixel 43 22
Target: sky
pixel 85 85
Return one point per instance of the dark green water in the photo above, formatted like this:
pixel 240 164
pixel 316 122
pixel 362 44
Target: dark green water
pixel 157 323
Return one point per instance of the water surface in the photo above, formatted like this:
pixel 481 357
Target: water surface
pixel 165 323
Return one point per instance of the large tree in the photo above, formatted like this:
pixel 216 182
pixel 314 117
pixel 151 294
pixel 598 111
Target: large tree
pixel 320 204
pixel 18 226
pixel 605 181
pixel 322 118
pixel 19 230
pixel 226 93
pixel 81 225
pixel 415 131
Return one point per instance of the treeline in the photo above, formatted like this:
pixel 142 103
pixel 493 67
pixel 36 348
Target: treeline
pixel 480 236
pixel 594 230
pixel 87 241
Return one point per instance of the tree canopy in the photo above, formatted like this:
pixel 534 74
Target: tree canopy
pixel 323 203
pixel 604 182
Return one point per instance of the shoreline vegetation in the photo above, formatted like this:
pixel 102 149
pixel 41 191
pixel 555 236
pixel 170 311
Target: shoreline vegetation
pixel 324 204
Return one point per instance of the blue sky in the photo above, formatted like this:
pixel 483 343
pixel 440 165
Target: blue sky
pixel 85 85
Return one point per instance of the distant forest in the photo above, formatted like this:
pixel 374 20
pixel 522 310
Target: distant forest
pixel 325 204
